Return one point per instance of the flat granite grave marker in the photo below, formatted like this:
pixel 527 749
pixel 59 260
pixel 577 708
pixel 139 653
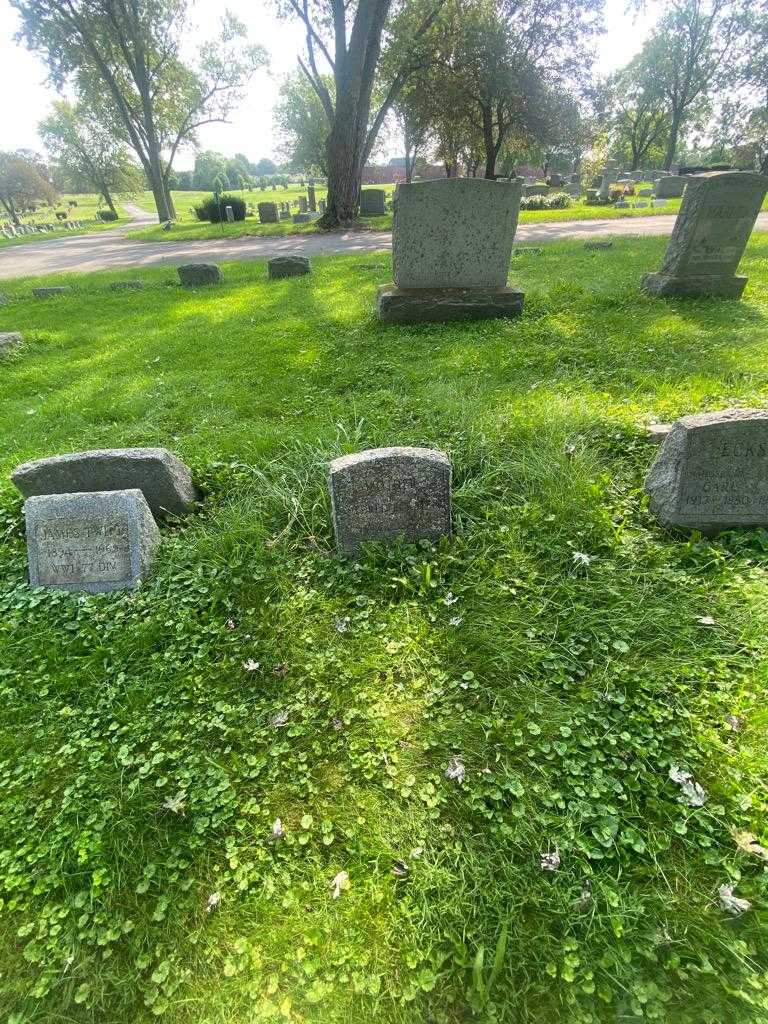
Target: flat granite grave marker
pixel 452 243
pixel 192 275
pixel 164 480
pixel 712 472
pixel 49 293
pixel 712 229
pixel 384 494
pixel 373 202
pixel 93 541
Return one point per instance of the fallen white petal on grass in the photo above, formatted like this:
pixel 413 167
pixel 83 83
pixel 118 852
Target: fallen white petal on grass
pixel 230 624
pixel 456 769
pixel 550 861
pixel 213 901
pixel 175 804
pixel 734 722
pixel 456 620
pixel 749 844
pixel 580 558
pixel 339 884
pixel 732 904
pixel 251 666
pixel 277 829
pixel 691 792
pixel 279 720
pixel 449 599
pixel 705 620
pixel 416 852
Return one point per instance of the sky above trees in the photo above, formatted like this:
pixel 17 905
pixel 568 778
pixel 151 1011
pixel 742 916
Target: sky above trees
pixel 22 76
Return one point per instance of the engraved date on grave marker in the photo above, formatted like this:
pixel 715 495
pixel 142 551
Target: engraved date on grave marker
pixel 82 550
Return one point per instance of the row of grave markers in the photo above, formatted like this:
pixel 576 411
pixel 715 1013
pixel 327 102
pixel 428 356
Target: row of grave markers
pixel 91 517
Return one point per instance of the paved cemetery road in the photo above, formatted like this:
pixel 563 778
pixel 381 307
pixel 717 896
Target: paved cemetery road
pixel 115 249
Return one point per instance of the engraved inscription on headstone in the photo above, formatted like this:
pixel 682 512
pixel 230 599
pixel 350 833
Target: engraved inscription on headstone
pixel 94 541
pixel 388 493
pixel 712 472
pixel 716 218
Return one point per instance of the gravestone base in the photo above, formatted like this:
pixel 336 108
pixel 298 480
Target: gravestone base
pixel 670 286
pixel 413 305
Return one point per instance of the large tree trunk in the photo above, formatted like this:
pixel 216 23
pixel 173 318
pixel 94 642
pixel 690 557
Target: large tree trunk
pixel 674 131
pixel 106 195
pixel 345 175
pixel 489 143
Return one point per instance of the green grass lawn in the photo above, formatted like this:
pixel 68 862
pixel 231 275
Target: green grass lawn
pixel 142 765
pixel 86 209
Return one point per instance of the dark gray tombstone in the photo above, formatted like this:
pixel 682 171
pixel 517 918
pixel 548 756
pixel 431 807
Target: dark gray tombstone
pixel 192 275
pixel 50 293
pixel 712 472
pixel 164 480
pixel 268 213
pixel 385 494
pixel 452 243
pixel 288 266
pixel 311 198
pixel 671 186
pixel 712 229
pixel 373 202
pixel 303 204
pixel 94 542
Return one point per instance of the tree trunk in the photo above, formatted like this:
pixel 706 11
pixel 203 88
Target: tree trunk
pixel 674 131
pixel 488 142
pixel 106 195
pixel 345 176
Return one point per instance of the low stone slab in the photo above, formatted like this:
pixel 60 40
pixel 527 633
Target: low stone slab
pixel 384 494
pixel 712 472
pixel 288 266
pixel 164 480
pixel 302 218
pixel 9 340
pixel 192 275
pixel 405 305
pixel 94 542
pixel 668 287
pixel 126 286
pixel 49 293
pixel 598 245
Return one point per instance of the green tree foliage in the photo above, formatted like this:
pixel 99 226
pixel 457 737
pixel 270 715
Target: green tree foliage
pixel 209 165
pixel 124 59
pixel 639 117
pixel 88 156
pixel 301 124
pixel 22 184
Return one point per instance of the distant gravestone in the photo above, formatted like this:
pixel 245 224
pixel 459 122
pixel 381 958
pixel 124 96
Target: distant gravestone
pixel 302 218
pixel 598 245
pixel 712 472
pixel 230 214
pixel 311 199
pixel 671 186
pixel 288 266
pixel 192 275
pixel 373 202
pixel 712 229
pixel 94 542
pixel 164 479
pixel 9 340
pixel 303 204
pixel 268 213
pixel 126 286
pixel 452 242
pixel 322 206
pixel 384 494
pixel 49 293
pixel 535 190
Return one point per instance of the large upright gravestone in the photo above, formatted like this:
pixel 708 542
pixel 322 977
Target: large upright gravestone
pixel 268 213
pixel 95 542
pixel 373 202
pixel 671 186
pixel 384 494
pixel 164 480
pixel 452 243
pixel 712 472
pixel 713 226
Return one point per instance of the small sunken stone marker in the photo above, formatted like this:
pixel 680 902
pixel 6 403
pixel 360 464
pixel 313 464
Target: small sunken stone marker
pixel 288 266
pixel 383 494
pixel 716 218
pixel 94 541
pixel 192 275
pixel 126 286
pixel 598 245
pixel 49 293
pixel 712 472
pixel 9 340
pixel 164 480
pixel 452 243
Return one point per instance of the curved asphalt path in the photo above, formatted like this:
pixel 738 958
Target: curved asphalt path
pixel 111 250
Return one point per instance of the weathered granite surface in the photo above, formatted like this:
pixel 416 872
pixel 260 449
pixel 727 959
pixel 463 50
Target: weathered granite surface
pixel 712 472
pixel 288 266
pixel 712 229
pixel 302 218
pixel 9 340
pixel 671 186
pixel 387 493
pixel 373 202
pixel 268 213
pixel 454 232
pixel 408 305
pixel 49 293
pixel 163 478
pixel 192 275
pixel 93 542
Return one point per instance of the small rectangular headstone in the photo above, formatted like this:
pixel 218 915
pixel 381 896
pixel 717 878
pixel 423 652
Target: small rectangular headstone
pixel 94 542
pixel 192 275
pixel 712 472
pixel 385 494
pixel 373 202
pixel 671 186
pixel 164 479
pixel 268 213
pixel 49 293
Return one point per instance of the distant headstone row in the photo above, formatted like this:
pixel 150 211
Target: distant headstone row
pixel 91 516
